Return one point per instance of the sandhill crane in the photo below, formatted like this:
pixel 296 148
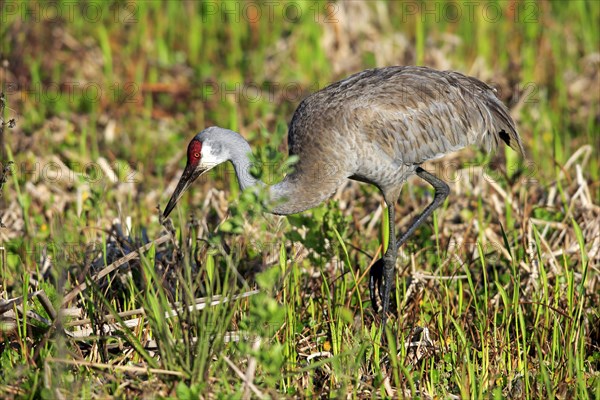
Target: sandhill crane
pixel 377 126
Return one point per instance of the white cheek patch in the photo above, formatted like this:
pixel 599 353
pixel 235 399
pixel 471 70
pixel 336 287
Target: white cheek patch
pixel 209 159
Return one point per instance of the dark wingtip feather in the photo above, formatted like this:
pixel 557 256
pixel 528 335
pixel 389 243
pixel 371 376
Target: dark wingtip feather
pixel 505 126
pixel 513 141
pixel 501 125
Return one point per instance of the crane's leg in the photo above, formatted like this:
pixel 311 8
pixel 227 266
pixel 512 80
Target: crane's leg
pixel 386 265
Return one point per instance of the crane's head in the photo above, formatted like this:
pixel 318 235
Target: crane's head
pixel 204 152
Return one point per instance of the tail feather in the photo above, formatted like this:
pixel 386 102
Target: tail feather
pixel 504 125
pixel 500 125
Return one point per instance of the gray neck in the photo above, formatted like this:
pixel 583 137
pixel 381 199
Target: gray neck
pixel 242 164
pixel 280 193
pixel 295 193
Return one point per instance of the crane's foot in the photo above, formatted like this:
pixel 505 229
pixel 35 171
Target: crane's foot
pixel 389 267
pixel 375 283
pixel 380 281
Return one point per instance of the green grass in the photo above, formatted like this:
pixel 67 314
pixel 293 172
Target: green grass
pixel 503 278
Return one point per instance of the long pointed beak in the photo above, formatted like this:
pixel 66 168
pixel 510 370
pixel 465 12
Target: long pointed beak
pixel 190 174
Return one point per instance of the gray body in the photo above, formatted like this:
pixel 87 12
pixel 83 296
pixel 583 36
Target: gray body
pixel 376 126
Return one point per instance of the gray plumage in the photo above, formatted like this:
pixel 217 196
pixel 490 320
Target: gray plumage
pixel 376 126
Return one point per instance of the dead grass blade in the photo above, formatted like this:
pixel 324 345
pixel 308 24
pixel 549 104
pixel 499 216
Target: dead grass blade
pixel 123 368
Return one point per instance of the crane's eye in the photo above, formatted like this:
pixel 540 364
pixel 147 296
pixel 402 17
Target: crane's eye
pixel 194 152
